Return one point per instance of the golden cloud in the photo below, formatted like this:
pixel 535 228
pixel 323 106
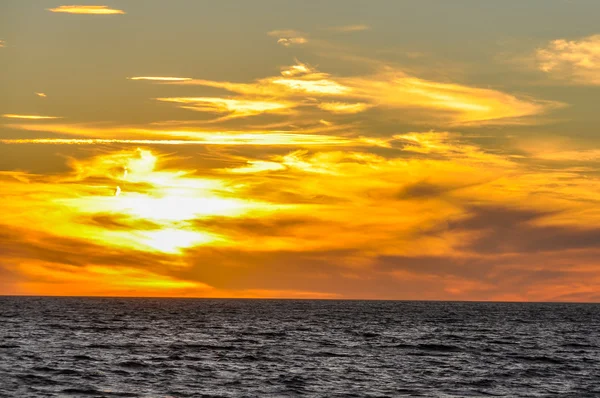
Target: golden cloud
pixel 574 60
pixel 462 104
pixel 343 107
pixel 390 88
pixel 141 136
pixel 232 107
pixel 320 86
pixel 88 10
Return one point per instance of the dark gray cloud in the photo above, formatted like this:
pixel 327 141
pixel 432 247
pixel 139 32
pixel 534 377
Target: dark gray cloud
pixel 509 230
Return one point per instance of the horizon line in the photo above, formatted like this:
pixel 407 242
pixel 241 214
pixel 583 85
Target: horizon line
pixel 301 299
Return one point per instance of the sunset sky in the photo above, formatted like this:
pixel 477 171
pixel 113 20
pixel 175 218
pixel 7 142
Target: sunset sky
pixel 381 149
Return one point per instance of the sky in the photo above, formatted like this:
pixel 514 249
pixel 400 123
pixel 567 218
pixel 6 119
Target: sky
pixel 341 149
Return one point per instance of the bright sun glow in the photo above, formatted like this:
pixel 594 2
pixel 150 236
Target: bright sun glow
pixel 158 206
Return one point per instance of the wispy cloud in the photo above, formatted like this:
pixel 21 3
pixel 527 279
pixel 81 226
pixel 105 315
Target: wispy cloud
pixel 103 135
pixel 462 104
pixel 216 139
pixel 349 28
pixel 160 78
pixel 84 9
pixel 2 43
pixel 232 107
pixel 29 117
pixel 343 107
pixel 289 37
pixel 387 88
pixel 577 61
pixel 312 86
pixel 42 95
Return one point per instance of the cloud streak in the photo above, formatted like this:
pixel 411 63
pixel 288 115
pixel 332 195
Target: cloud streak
pixel 86 10
pixel 160 78
pixel 216 139
pixel 29 117
pixel 231 107
pixel 103 135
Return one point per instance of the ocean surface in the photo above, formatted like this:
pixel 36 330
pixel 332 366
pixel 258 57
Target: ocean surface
pixel 111 347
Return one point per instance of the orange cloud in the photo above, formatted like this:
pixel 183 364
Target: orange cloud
pixel 44 278
pixel 100 280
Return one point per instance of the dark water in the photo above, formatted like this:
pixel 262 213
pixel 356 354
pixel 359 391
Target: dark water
pixel 88 347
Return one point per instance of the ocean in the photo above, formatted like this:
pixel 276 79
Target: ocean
pixel 142 347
